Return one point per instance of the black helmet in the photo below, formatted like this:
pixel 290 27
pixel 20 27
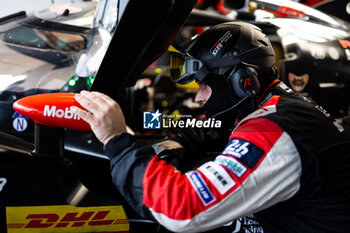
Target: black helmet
pixel 229 40
pixel 230 58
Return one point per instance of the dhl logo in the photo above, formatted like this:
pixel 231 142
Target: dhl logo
pixel 66 219
pixel 48 220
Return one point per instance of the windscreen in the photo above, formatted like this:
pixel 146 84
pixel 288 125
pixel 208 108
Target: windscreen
pixel 34 57
pixel 106 19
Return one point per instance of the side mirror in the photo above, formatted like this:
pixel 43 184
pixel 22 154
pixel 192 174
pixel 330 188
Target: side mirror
pixel 52 109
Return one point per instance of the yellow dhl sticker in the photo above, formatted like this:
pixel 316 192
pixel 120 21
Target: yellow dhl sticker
pixel 66 218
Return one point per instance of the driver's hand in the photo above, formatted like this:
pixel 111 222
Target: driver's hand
pixel 102 113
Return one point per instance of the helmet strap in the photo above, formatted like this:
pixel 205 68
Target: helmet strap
pixel 201 74
pixel 245 57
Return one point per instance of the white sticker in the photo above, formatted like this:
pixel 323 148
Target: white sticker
pixel 20 124
pixel 317 52
pixel 2 183
pixel 218 176
pixel 347 52
pixel 347 8
pixel 333 53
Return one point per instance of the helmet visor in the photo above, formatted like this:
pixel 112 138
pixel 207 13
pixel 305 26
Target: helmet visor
pixel 183 67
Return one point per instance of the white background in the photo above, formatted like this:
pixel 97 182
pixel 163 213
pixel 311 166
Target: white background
pixel 13 6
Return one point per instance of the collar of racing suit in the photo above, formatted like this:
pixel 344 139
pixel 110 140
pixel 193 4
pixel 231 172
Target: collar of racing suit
pixel 265 93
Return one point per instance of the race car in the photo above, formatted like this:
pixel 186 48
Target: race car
pixel 312 49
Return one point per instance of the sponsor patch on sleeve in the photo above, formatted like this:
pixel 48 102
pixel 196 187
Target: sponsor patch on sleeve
pixel 244 151
pixel 201 188
pixel 231 164
pixel 218 176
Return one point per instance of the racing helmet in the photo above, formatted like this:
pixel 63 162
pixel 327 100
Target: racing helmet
pixel 231 58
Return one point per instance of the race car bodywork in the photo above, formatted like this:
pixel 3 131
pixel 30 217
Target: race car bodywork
pixel 38 56
pixel 312 52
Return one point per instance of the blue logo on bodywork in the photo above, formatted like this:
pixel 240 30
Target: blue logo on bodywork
pixel 19 123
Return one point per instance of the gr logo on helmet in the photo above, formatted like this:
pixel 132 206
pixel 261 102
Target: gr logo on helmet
pixel 220 43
